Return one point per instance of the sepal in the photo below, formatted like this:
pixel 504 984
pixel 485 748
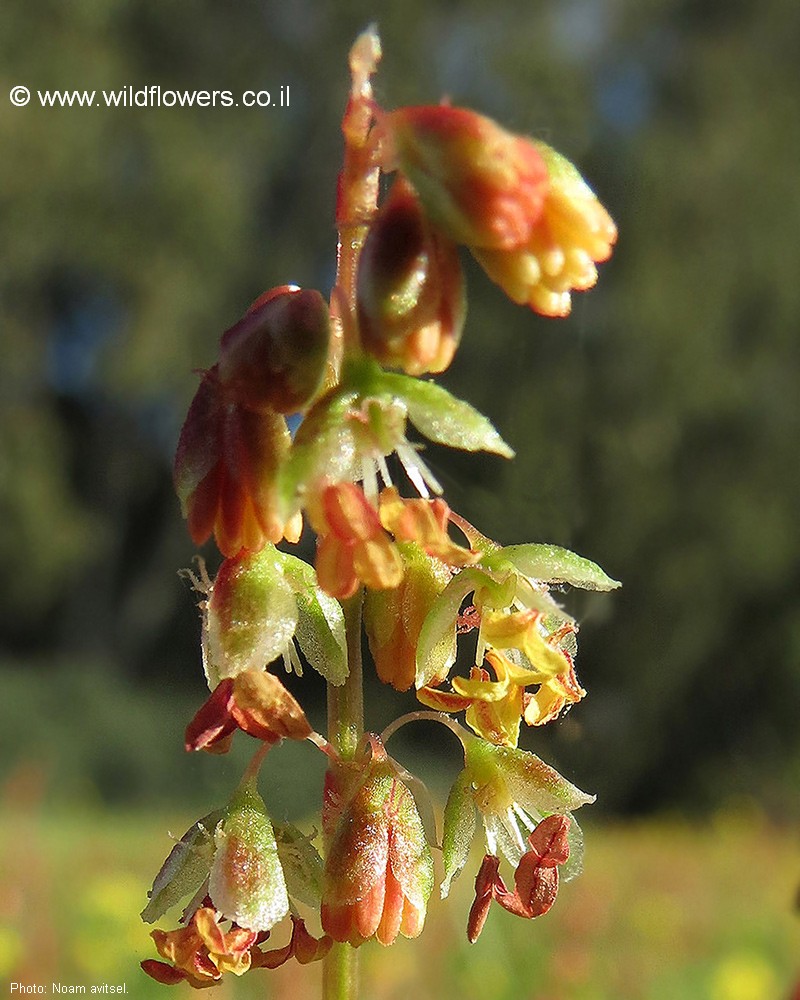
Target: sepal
pixel 185 870
pixel 552 565
pixel 458 830
pixel 246 883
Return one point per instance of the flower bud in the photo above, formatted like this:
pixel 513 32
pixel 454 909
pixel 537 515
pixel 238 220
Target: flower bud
pixel 574 233
pixel 410 292
pixel 379 870
pixel 226 468
pixel 255 702
pixel 482 185
pixel 393 618
pixel 274 357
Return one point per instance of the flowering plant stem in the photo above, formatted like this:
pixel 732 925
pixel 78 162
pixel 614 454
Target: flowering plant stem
pixel 345 729
pixel 385 564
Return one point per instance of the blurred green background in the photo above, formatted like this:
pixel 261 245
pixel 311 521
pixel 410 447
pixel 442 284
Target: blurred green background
pixel 656 428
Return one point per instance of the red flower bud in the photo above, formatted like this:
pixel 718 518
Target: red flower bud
pixel 410 298
pixel 483 185
pixel 274 357
pixel 226 469
pixel 379 871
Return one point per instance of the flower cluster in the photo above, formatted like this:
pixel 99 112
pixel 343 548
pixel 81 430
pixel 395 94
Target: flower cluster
pixel 391 556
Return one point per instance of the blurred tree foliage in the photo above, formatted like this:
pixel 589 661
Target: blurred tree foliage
pixel 657 428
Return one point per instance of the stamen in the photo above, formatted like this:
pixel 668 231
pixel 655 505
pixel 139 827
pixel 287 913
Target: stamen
pixel 291 660
pixel 527 822
pixel 417 471
pixel 383 469
pixel 408 459
pixel 370 480
pixel 512 827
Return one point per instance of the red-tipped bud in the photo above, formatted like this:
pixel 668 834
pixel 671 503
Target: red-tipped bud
pixel 226 469
pixel 255 702
pixel 352 544
pixel 483 185
pixel 379 870
pixel 411 303
pixel 274 357
pixel 393 618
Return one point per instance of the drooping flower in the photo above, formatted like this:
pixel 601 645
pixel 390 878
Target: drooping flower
pixel 573 234
pixel 235 439
pixel 230 856
pixel 226 468
pixel 424 522
pixel 512 791
pixel 258 606
pixel 410 290
pixel 229 863
pixel 524 211
pixel 535 880
pixel 274 358
pixel 255 702
pixel 393 618
pixel 483 185
pixel 379 870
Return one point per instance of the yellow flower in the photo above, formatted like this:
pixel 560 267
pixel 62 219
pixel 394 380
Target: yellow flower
pixel 573 234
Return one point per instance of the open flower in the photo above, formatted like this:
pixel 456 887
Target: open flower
pixel 379 870
pixel 524 211
pixel 513 610
pixel 493 707
pixel 512 791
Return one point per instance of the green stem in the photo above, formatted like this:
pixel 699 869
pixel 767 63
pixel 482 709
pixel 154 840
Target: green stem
pixel 346 702
pixel 340 973
pixel 345 729
pixel 356 204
